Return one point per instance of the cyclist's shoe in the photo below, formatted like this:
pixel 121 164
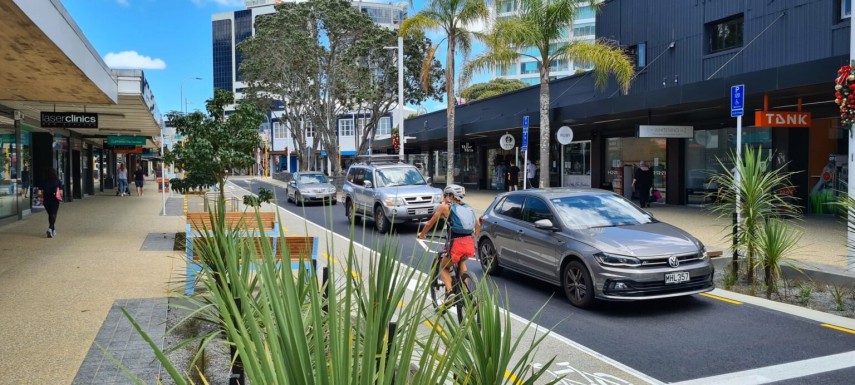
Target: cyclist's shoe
pixel 450 299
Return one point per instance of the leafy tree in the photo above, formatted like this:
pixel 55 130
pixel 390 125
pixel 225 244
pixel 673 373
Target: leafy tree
pixel 539 24
pixel 452 18
pixel 216 143
pixel 323 58
pixel 492 88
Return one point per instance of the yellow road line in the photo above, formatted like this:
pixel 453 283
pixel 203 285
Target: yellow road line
pixel 435 327
pixel 512 377
pixel 728 300
pixel 839 328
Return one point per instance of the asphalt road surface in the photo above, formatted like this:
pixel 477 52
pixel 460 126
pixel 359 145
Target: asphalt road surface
pixel 674 340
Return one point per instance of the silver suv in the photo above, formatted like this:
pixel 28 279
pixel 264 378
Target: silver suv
pixel 389 192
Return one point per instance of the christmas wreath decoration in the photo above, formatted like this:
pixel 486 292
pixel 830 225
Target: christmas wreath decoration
pixel 844 94
pixel 396 141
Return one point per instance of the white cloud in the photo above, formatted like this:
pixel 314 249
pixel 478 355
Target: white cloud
pixel 123 2
pixel 222 3
pixel 132 59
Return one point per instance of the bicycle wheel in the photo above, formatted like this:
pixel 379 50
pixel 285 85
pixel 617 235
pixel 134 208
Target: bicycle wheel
pixel 437 287
pixel 466 286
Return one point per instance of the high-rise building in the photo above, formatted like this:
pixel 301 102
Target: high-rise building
pixel 232 28
pixel 527 69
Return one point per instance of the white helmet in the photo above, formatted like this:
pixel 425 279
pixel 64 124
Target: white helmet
pixel 455 189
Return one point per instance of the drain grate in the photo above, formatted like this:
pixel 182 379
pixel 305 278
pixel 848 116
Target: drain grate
pixel 158 242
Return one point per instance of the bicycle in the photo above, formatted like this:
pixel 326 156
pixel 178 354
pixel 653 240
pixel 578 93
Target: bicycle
pixel 462 285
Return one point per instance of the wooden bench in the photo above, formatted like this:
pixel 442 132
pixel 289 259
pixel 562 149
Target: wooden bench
pixel 299 246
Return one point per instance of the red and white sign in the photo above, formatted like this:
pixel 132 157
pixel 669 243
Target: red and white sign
pixel 781 119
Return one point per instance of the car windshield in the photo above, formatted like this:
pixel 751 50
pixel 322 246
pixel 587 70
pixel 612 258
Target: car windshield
pixel 598 210
pixel 313 179
pixel 389 177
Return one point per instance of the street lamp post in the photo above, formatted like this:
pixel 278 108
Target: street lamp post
pixel 162 169
pixel 400 108
pixel 182 105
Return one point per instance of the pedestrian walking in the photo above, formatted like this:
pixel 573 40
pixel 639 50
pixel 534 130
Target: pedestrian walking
pixel 123 180
pixel 530 172
pixel 642 182
pixel 52 191
pixel 513 177
pixel 139 180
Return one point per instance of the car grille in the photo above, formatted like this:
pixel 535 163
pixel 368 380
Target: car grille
pixel 643 289
pixel 685 259
pixel 419 199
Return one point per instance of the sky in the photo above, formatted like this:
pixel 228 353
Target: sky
pixel 169 39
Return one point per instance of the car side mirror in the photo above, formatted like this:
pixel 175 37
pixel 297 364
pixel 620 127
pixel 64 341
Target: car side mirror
pixel 368 184
pixel 428 180
pixel 545 224
pixel 292 182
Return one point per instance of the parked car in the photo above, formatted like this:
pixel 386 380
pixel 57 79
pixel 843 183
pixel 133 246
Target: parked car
pixel 309 187
pixel 388 191
pixel 594 243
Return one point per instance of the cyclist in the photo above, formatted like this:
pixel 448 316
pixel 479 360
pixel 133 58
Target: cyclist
pixel 463 226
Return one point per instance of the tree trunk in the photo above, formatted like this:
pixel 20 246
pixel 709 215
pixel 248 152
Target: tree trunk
pixel 770 280
pixel 544 126
pixel 449 93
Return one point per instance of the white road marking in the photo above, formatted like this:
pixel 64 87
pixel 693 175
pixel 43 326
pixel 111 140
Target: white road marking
pixel 536 327
pixel 780 372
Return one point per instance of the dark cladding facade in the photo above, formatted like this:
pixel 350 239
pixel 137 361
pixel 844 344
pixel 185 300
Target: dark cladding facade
pixel 688 55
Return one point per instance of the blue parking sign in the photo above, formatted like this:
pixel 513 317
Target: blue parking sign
pixel 525 133
pixel 737 100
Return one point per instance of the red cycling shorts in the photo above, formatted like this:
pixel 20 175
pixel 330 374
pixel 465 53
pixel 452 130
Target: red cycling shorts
pixel 462 247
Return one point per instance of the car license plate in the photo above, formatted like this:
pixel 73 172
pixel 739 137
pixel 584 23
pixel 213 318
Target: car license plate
pixel 421 211
pixel 680 276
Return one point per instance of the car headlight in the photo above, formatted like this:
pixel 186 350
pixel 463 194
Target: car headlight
pixel 331 189
pixel 702 252
pixel 393 202
pixel 616 260
pixel 437 198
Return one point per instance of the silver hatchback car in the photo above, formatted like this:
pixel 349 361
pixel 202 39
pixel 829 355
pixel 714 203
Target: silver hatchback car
pixel 594 244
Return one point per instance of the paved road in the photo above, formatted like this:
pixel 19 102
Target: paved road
pixel 671 340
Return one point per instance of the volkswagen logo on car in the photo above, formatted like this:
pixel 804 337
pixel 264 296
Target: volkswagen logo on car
pixel 673 261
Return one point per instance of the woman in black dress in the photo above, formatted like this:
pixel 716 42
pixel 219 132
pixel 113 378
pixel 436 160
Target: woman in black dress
pixel 49 185
pixel 513 177
pixel 642 182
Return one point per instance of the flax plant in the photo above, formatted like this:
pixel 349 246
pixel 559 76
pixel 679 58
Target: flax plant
pixel 757 192
pixel 776 241
pixel 287 327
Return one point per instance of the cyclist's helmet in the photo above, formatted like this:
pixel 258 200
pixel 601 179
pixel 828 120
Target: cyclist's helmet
pixel 455 189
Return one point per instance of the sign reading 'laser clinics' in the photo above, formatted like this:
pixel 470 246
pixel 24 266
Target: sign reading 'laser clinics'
pixel 69 120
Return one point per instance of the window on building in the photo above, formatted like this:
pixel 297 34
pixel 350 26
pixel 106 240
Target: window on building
pixel 308 128
pixel 360 125
pixel 726 34
pixel 345 127
pixel 279 131
pixel 384 126
pixel 585 13
pixel 503 6
pixel 558 65
pixel 508 70
pixel 845 9
pixel 378 15
pixel 529 67
pixel 530 81
pixel 584 29
pixel 638 54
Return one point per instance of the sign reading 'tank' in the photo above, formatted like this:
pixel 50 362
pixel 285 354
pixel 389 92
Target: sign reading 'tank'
pixel 781 119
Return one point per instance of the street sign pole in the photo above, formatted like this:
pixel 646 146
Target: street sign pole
pixel 525 151
pixel 737 108
pixel 850 234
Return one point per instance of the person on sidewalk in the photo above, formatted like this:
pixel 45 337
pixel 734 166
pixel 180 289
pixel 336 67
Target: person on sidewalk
pixel 123 180
pixel 513 177
pixel 49 187
pixel 139 180
pixel 642 182
pixel 531 174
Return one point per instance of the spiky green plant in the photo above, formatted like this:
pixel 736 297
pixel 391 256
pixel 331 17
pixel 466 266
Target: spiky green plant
pixel 805 292
pixel 775 243
pixel 286 331
pixel 756 190
pixel 839 294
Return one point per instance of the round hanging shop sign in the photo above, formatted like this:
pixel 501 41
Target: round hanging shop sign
pixel 564 135
pixel 507 142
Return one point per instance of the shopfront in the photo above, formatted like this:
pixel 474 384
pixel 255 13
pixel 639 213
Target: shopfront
pixel 576 165
pixel 623 156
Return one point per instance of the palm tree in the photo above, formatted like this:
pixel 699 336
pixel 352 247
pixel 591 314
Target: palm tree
pixel 539 25
pixel 453 18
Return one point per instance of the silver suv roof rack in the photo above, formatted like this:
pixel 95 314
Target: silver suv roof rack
pixel 378 159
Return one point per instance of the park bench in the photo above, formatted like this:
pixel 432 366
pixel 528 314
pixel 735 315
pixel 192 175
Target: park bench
pixel 299 248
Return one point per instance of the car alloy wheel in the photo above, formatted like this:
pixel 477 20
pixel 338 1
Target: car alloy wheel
pixel 488 256
pixel 381 223
pixel 577 284
pixel 298 200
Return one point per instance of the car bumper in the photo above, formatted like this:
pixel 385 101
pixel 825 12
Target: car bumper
pixel 318 197
pixel 636 284
pixel 399 214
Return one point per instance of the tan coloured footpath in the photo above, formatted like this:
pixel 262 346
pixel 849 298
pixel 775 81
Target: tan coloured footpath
pixel 56 293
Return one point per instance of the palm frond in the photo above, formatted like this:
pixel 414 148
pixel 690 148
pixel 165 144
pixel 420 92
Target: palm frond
pixel 607 58
pixel 427 64
pixel 489 60
pixel 423 21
